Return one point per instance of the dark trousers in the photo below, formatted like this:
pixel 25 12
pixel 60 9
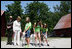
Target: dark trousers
pixel 9 37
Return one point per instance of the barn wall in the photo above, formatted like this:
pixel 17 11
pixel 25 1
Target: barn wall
pixel 3 25
pixel 63 32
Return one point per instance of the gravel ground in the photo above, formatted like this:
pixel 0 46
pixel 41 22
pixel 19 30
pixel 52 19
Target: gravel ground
pixel 54 43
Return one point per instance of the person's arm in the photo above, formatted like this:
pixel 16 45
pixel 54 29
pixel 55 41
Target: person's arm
pixel 14 26
pixel 8 25
pixel 34 30
pixel 27 29
pixel 24 32
pixel 20 28
pixel 46 31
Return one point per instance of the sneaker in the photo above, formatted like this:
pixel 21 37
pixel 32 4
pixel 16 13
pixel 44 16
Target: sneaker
pixel 12 43
pixel 39 45
pixel 27 46
pixel 16 44
pixel 42 44
pixel 7 44
pixel 47 44
pixel 22 45
pixel 36 45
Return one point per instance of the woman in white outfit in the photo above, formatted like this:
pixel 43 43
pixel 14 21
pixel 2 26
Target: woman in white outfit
pixel 17 30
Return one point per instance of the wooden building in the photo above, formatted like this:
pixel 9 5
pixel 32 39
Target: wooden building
pixel 63 27
pixel 3 23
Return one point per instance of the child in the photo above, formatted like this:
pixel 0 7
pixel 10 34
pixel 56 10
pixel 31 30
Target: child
pixel 37 33
pixel 27 30
pixel 41 34
pixel 44 32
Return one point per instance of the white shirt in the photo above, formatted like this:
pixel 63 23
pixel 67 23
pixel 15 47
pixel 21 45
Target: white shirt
pixel 16 25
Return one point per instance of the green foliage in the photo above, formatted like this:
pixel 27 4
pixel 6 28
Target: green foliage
pixel 36 11
pixel 39 11
pixel 64 8
pixel 14 9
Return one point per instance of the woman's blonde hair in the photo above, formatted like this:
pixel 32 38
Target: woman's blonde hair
pixel 19 18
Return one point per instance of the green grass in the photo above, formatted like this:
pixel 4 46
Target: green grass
pixel 3 38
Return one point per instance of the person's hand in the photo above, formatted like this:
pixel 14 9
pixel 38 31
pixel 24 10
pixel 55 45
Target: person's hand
pixel 14 31
pixel 8 27
pixel 23 33
pixel 20 32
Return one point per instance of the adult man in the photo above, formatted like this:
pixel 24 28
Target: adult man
pixel 10 30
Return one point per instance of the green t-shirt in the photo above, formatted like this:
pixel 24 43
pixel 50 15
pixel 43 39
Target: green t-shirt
pixel 27 25
pixel 37 29
pixel 41 29
pixel 44 29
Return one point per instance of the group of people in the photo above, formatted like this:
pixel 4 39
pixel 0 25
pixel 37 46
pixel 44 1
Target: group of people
pixel 14 27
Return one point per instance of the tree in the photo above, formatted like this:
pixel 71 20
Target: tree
pixel 36 11
pixel 14 9
pixel 39 11
pixel 64 8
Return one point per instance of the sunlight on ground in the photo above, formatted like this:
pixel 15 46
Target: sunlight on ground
pixel 54 42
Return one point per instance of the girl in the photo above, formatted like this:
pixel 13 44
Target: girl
pixel 27 30
pixel 17 30
pixel 44 32
pixel 37 33
pixel 41 34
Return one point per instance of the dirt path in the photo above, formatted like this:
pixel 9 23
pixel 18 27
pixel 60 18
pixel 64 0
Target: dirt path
pixel 54 43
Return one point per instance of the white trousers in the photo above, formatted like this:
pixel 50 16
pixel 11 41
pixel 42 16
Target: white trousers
pixel 17 37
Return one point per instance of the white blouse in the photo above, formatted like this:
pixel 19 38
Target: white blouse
pixel 16 25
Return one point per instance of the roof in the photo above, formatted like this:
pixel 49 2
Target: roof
pixel 64 22
pixel 2 12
